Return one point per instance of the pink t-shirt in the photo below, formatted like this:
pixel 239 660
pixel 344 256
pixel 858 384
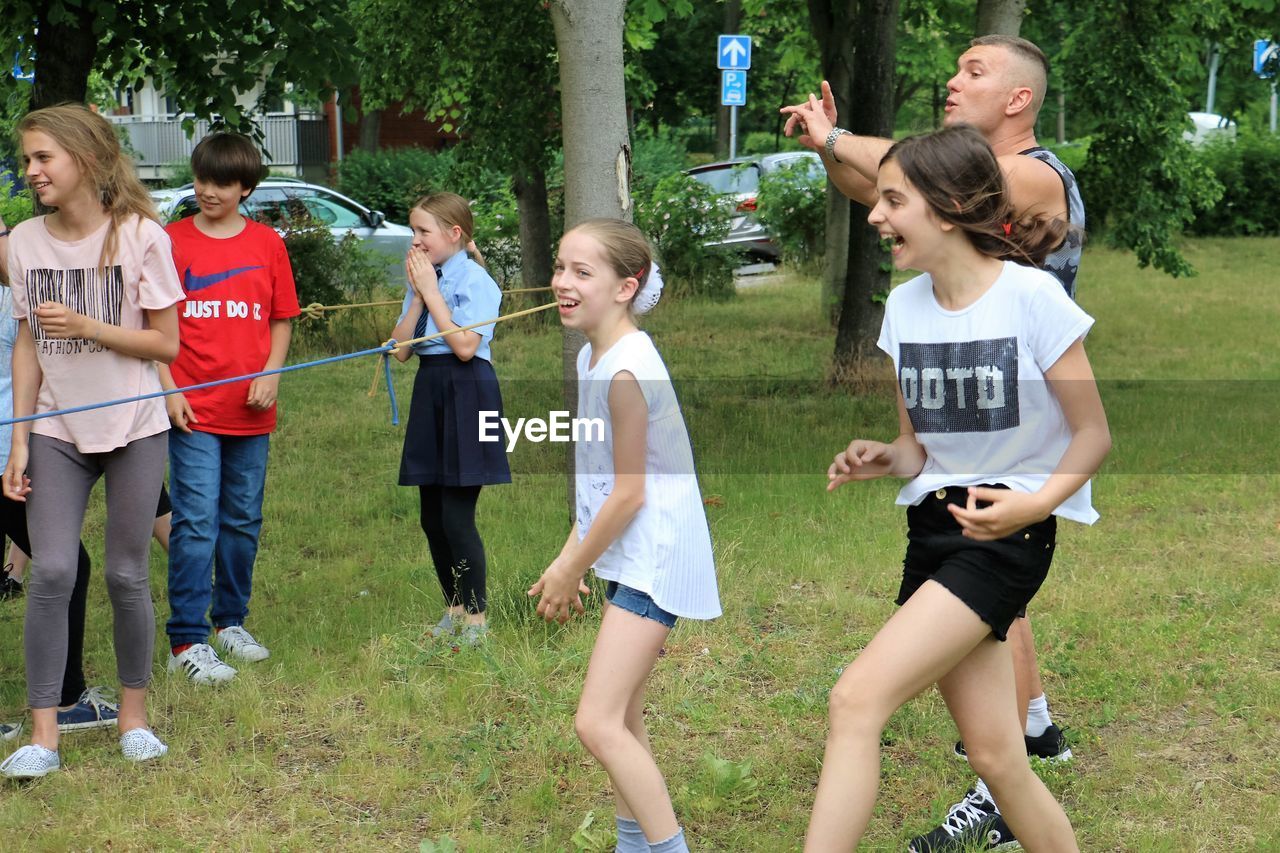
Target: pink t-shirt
pixel 76 371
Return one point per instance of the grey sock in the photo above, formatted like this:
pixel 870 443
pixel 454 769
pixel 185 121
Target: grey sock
pixel 674 844
pixel 630 837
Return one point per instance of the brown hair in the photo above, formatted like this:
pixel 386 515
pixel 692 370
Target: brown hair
pixel 449 209
pixel 91 141
pixel 625 248
pixel 960 178
pixel 225 158
pixel 1028 53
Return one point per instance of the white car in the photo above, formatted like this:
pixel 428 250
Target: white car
pixel 1207 127
pixel 281 202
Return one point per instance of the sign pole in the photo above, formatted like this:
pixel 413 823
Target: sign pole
pixel 1273 107
pixel 733 124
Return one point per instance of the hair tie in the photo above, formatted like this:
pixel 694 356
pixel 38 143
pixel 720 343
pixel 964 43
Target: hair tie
pixel 650 292
pixel 1007 226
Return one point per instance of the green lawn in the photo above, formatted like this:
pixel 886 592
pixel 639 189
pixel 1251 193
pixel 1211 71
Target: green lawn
pixel 1159 627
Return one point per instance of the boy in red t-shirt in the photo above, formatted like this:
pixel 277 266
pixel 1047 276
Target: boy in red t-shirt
pixel 235 320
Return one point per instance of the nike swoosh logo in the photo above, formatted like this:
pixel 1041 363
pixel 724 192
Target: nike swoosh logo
pixel 192 283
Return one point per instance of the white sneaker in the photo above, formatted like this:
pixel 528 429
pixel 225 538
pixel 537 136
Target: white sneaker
pixel 202 665
pixel 141 745
pixel 30 762
pixel 239 643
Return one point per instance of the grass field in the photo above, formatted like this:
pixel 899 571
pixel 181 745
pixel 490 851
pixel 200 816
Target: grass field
pixel 1158 629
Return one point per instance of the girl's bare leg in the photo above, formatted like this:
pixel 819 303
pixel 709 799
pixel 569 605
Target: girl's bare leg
pixel 919 644
pixel 981 695
pixel 612 699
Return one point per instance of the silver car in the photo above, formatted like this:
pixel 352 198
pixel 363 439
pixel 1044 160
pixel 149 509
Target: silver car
pixel 280 202
pixel 739 181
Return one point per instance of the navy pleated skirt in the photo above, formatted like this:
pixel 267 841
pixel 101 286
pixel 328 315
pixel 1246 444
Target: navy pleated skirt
pixel 442 444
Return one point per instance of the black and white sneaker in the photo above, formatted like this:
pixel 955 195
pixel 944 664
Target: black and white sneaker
pixel 971 824
pixel 10 587
pixel 1051 745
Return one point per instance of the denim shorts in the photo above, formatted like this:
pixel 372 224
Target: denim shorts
pixel 637 602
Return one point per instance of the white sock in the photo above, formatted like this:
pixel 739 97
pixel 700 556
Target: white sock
pixel 1038 716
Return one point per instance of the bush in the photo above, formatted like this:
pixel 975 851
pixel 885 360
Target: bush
pixel 392 180
pixel 14 207
pixel 337 273
pixel 792 204
pixel 766 142
pixel 654 158
pixel 680 217
pixel 497 234
pixel 1249 171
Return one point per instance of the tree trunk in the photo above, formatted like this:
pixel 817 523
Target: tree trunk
pixel 597 151
pixel 832 22
pixel 1003 17
pixel 873 61
pixel 732 21
pixel 535 230
pixel 65 52
pixel 371 131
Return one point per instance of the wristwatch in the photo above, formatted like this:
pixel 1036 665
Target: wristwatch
pixel 836 133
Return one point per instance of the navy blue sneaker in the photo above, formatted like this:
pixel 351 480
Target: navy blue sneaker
pixel 91 712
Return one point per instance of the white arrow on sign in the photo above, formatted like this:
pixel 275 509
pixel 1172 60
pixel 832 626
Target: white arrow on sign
pixel 735 51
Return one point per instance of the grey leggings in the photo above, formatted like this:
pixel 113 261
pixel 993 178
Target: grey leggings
pixel 61 479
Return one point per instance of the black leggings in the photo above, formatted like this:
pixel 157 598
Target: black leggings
pixel 448 518
pixel 13 523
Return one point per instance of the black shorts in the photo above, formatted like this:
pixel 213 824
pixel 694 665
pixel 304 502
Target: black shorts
pixel 995 579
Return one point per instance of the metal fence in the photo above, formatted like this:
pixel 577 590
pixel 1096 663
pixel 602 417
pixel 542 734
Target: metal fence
pixel 289 142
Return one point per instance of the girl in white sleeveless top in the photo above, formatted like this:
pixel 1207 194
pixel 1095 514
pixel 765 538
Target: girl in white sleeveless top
pixel 640 521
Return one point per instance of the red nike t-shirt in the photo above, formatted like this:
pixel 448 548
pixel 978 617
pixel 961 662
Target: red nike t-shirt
pixel 233 289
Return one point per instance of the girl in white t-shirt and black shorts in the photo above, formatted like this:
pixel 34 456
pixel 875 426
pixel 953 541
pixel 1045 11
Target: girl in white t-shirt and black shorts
pixel 640 520
pixel 1001 427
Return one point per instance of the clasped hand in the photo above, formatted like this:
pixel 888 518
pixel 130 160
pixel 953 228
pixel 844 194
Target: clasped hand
pixel 561 589
pixel 1008 512
pixel 421 273
pixel 59 321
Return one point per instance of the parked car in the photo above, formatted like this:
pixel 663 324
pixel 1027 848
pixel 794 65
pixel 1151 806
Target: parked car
pixel 739 181
pixel 1207 127
pixel 281 202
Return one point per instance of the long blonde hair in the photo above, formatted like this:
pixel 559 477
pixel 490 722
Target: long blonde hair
pixel 91 141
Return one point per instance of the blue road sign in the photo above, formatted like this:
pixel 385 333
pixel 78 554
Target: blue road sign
pixel 733 88
pixel 1264 52
pixel 733 53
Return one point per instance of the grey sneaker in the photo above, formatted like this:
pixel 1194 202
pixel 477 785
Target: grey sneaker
pixel 446 627
pixel 472 635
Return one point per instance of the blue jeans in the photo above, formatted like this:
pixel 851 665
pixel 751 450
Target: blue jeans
pixel 216 484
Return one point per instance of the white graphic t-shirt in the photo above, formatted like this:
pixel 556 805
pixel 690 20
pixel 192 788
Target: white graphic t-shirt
pixel 974 387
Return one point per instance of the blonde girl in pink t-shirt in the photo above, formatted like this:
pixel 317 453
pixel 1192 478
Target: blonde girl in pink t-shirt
pixel 94 290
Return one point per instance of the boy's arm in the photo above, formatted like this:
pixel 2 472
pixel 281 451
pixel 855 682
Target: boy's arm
pixel 263 390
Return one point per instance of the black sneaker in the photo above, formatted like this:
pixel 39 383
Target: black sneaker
pixel 971 824
pixel 10 587
pixel 1050 745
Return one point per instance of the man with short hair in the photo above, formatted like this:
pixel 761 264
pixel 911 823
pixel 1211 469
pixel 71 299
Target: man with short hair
pixel 998 88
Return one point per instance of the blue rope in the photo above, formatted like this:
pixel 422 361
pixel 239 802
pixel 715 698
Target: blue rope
pixel 384 349
pixel 391 388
